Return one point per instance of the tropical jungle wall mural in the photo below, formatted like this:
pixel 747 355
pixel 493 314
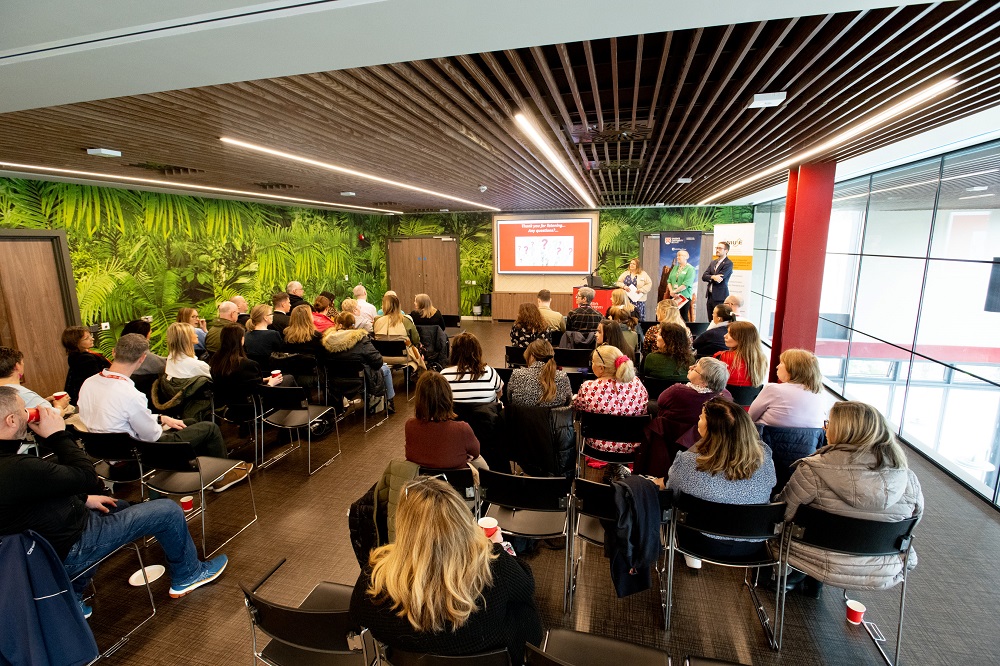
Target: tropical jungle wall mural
pixel 140 254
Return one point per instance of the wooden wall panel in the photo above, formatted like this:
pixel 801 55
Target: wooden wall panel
pixel 440 274
pixel 506 303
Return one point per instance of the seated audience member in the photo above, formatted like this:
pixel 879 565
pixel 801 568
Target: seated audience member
pixel 83 362
pixel 343 342
pixel 797 402
pixel 331 311
pixel 672 356
pixel 321 320
pixel 744 356
pixel 619 300
pixel 190 316
pixel 734 303
pixel 424 313
pixel 442 587
pixel 242 309
pixel 295 295
pixel 666 313
pixel 472 381
pixel 154 364
pixel 617 390
pixel 109 402
pixel 181 361
pixel 66 503
pixel 350 306
pixel 280 307
pixel 678 410
pixel 12 373
pixel 861 473
pixel 610 333
pixel 629 326
pixel 367 311
pixel 393 325
pixel 554 319
pixel 301 336
pixel 260 340
pixel 713 341
pixel 434 438
pixel 228 314
pixel 728 464
pixel 405 315
pixel 583 318
pixel 528 326
pixel 233 374
pixel 540 383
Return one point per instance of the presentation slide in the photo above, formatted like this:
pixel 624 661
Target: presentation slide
pixel 544 246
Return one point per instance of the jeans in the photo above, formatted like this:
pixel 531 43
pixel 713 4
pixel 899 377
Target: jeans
pixel 390 390
pixel 106 532
pixel 204 435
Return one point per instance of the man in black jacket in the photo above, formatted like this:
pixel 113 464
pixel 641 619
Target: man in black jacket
pixel 65 502
pixel 281 306
pixel 717 275
pixel 295 294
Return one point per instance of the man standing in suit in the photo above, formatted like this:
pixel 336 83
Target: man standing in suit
pixel 717 276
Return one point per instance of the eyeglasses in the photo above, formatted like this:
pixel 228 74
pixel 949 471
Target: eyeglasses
pixel 826 424
pixel 406 488
pixel 695 368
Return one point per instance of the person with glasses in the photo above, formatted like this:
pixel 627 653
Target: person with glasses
pixel 442 587
pixel 717 275
pixel 190 316
pixel 678 408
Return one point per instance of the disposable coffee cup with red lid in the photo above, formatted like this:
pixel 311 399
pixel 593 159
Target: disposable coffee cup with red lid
pixel 276 373
pixel 59 395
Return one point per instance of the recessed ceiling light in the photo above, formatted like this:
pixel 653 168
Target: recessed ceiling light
pixel 113 177
pixel 977 188
pixel 104 152
pixel 348 194
pixel 765 100
pixel 350 172
pixel 843 137
pixel 443 210
pixel 977 196
pixel 684 181
pixel 536 138
pixel 659 203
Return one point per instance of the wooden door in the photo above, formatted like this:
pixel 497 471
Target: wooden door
pixel 37 301
pixel 425 266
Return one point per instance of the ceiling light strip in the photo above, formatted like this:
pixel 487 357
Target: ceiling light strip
pixel 349 172
pixel 839 139
pixel 189 186
pixel 536 138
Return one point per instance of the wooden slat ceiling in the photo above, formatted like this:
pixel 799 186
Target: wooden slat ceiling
pixel 631 114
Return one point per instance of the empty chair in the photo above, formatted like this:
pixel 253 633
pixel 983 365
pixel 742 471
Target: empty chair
pixel 657 386
pixel 505 374
pixel 573 358
pixel 788 445
pixel 452 321
pixel 542 440
pixel 575 648
pixel 576 379
pixel 555 337
pixel 301 366
pixel 116 455
pixel 744 395
pixel 697 327
pixel 288 407
pixel 318 631
pixel 513 356
pixel 462 480
pixel 435 344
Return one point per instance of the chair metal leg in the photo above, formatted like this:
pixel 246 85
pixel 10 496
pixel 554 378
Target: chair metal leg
pixel 671 546
pixel 773 632
pixel 253 508
pixel 309 468
pixel 878 638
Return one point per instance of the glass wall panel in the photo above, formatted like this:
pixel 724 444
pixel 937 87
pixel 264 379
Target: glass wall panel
pixel 761 225
pixel 777 225
pixel 831 349
pixel 874 375
pixel 888 298
pixel 967 225
pixel 847 215
pixel 900 210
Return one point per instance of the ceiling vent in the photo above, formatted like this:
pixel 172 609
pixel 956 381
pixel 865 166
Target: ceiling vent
pixel 276 186
pixel 624 133
pixel 618 193
pixel 167 169
pixel 612 165
pixel 385 204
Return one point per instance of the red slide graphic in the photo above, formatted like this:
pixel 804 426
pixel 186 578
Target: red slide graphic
pixel 544 246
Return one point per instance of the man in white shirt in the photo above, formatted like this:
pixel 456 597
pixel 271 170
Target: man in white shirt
pixel 109 402
pixel 367 311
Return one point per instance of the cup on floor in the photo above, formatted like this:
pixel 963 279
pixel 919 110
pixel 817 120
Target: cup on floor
pixel 187 503
pixel 855 611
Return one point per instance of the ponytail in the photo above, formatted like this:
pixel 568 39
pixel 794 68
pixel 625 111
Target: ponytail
pixel 609 357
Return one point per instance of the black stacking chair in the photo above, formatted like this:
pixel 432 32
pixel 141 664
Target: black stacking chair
pixel 573 358
pixel 505 374
pixel 403 658
pixel 347 379
pixel 179 471
pixel 513 356
pixel 452 321
pixel 612 428
pixel 576 379
pixel 395 347
pixel 655 386
pixel 531 507
pixel 853 536
pixel 744 395
pixel 741 521
pixel 116 456
pixel 318 631
pixel 555 336
pixel 462 480
pixel 788 445
pixel 575 648
pixel 697 327
pixel 303 367
pixel 288 408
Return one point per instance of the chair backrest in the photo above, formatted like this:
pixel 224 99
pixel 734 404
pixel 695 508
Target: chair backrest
pixel 461 479
pixel 655 386
pixel 390 347
pixel 535 657
pixel 525 492
pixel 555 336
pixel 854 536
pixel 505 374
pixel 576 379
pixel 109 445
pixel 346 369
pixel 697 327
pixel 762 521
pixel 613 428
pixel 283 397
pixel 452 321
pixel 513 355
pixel 573 358
pixel 298 365
pixel 169 456
pixel 403 658
pixel 594 499
pixel 744 395
pixel 320 630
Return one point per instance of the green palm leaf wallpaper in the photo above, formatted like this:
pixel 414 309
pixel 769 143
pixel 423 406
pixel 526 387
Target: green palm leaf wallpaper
pixel 140 254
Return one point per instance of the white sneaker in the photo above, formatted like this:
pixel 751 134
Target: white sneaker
pixel 692 562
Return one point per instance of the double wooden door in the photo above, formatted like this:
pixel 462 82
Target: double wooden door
pixel 425 266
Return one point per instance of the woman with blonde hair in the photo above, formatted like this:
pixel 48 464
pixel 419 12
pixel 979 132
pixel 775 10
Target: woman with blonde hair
pixel 744 358
pixel 619 300
pixel 666 313
pixel 540 384
pixel 393 326
pixel 728 464
pixel 424 313
pixel 636 283
pixel 797 402
pixel 260 341
pixel 190 316
pixel 301 336
pixel 442 587
pixel 617 390
pixel 529 326
pixel 861 473
pixel 181 361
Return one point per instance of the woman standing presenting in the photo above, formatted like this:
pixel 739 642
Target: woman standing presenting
pixel 681 282
pixel 636 283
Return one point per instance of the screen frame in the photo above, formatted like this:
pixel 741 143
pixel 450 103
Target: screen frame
pixel 587 219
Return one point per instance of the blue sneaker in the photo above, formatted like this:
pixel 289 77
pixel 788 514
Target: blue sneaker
pixel 85 609
pixel 209 572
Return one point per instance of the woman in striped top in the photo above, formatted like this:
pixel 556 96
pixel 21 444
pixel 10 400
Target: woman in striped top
pixel 471 380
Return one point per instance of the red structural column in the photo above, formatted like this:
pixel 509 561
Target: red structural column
pixel 803 255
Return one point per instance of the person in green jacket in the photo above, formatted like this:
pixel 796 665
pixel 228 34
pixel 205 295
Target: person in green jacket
pixel 681 281
pixel 672 356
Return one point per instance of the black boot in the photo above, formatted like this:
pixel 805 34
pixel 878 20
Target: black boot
pixel 391 405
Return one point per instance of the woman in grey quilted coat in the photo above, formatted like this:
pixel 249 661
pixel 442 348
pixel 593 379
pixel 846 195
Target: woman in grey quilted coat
pixel 861 473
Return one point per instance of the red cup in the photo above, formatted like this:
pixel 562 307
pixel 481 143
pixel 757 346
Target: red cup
pixel 187 502
pixel 276 373
pixel 59 395
pixel 33 415
pixel 855 611
pixel 490 526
